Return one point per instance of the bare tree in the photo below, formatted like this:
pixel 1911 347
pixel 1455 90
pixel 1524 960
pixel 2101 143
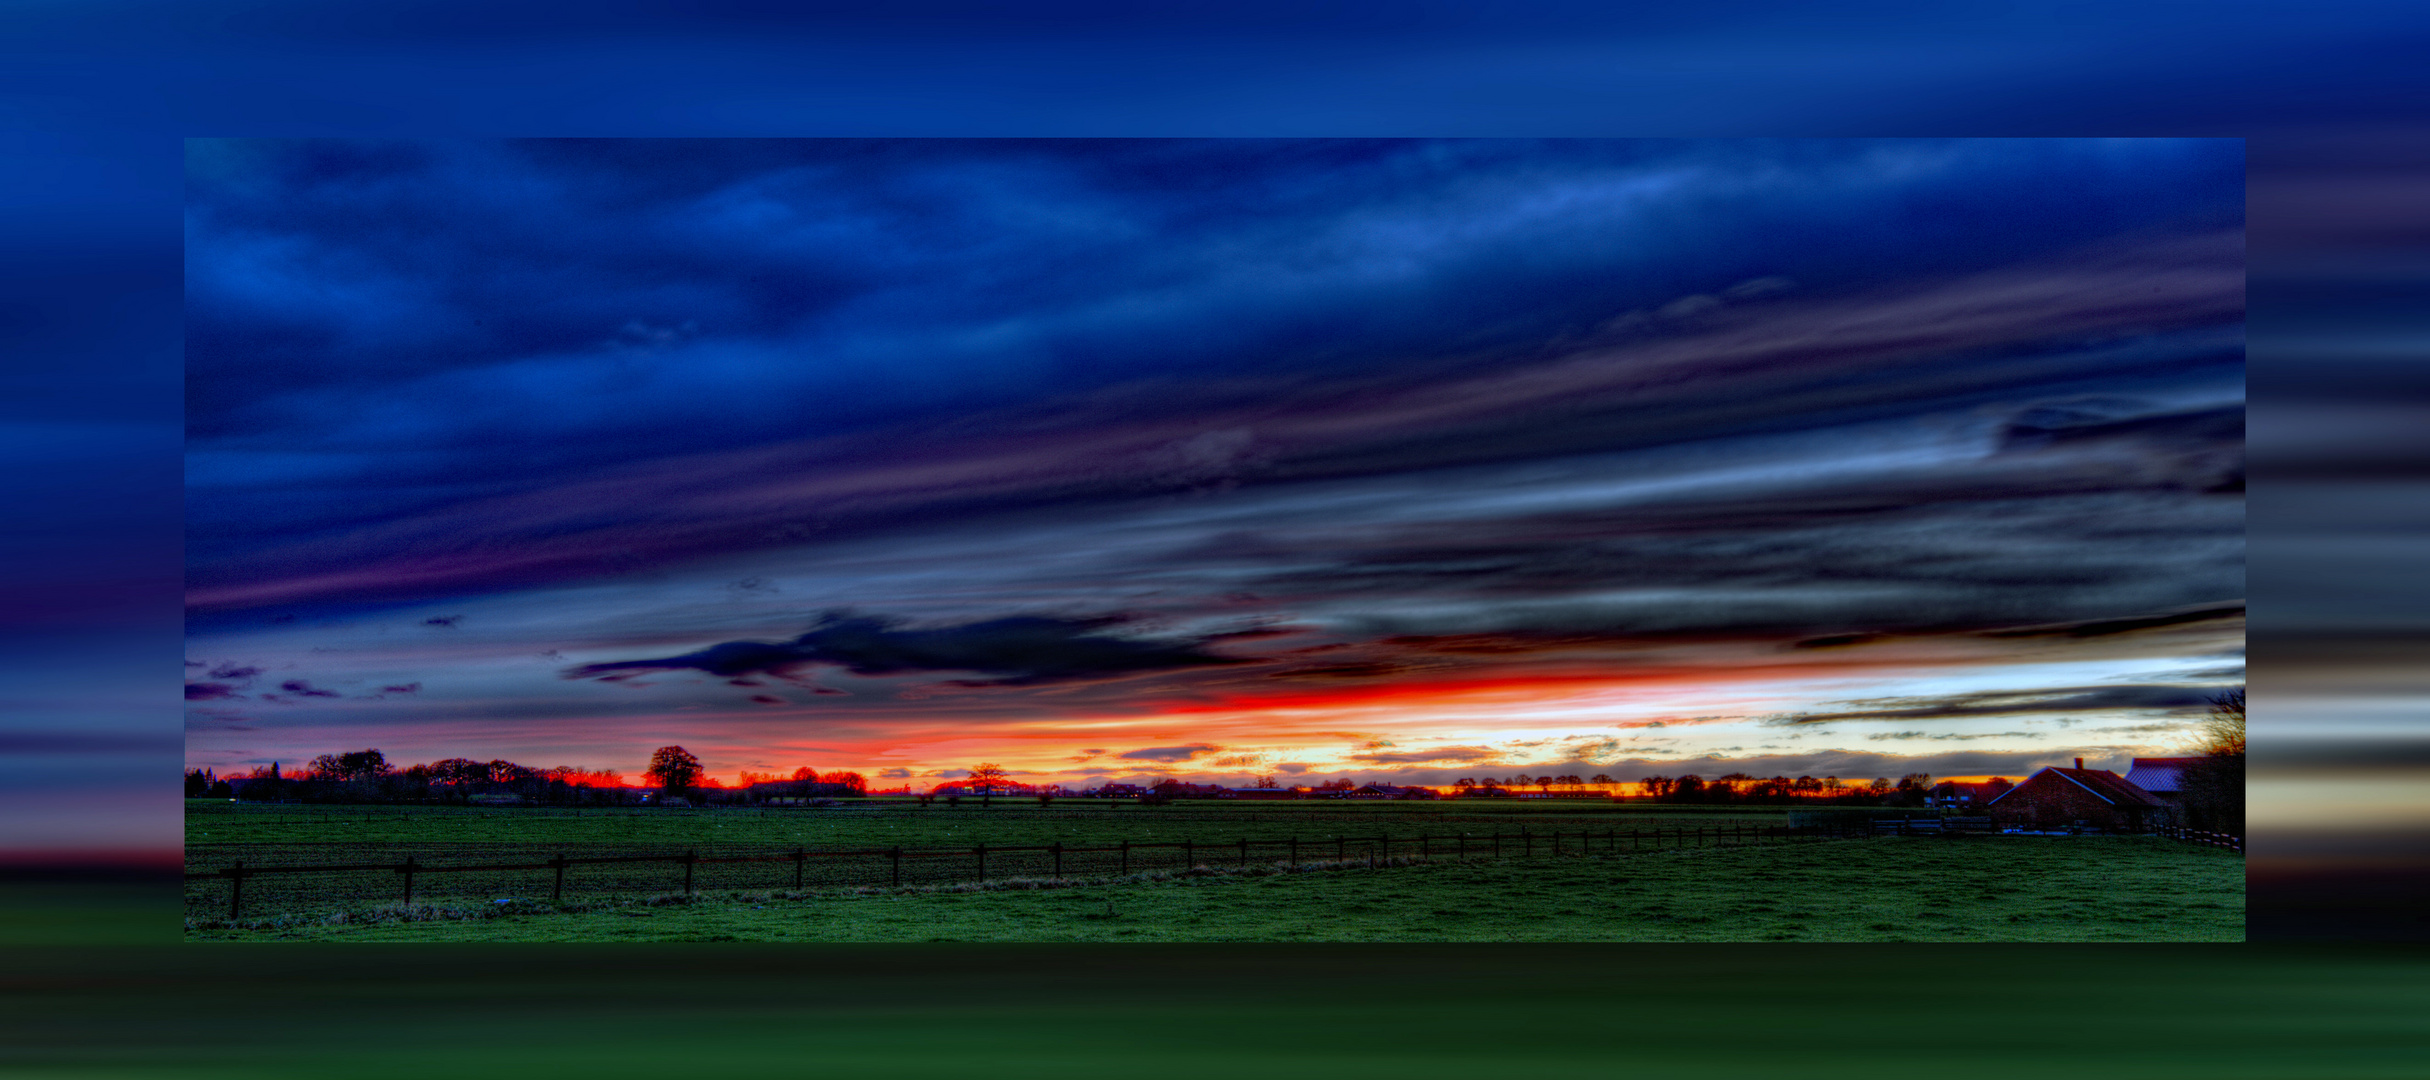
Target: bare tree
pixel 2213 786
pixel 987 777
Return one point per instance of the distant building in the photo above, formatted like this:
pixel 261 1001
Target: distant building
pixel 1262 793
pixel 1954 795
pixel 2160 775
pixel 2057 798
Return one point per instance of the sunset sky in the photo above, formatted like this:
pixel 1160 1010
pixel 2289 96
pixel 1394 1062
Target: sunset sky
pixel 1126 459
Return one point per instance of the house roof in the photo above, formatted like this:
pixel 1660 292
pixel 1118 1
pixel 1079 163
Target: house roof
pixel 2110 787
pixel 2158 773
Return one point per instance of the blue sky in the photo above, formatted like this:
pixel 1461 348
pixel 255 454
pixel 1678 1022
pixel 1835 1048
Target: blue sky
pixel 1390 458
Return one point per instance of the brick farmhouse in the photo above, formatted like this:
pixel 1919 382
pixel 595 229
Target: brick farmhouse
pixel 2057 798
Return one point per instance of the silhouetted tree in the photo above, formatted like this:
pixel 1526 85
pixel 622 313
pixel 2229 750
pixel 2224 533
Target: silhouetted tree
pixel 674 768
pixel 2213 786
pixel 985 778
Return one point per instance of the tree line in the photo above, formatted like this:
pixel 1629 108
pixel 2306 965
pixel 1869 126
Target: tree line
pixel 1912 789
pixel 366 776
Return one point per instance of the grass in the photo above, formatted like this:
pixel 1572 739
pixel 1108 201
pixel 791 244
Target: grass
pixel 1896 889
pixel 220 833
pixel 2197 1012
pixel 213 825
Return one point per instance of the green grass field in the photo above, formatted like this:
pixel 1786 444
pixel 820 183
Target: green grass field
pixel 221 833
pixel 2168 1012
pixel 1891 889
pixel 221 825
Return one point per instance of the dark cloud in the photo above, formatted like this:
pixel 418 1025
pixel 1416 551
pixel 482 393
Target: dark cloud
pixel 1363 670
pixel 446 621
pixel 235 673
pixel 1025 650
pixel 1169 753
pixel 1952 736
pixel 402 688
pixel 1416 757
pixel 2105 627
pixel 448 325
pixel 304 688
pixel 209 691
pixel 766 699
pixel 2185 700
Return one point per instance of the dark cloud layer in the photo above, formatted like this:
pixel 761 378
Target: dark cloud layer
pixel 1018 651
pixel 2074 699
pixel 1170 753
pixel 535 336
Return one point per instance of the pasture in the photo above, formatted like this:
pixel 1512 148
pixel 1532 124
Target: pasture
pixel 220 835
pixel 1888 889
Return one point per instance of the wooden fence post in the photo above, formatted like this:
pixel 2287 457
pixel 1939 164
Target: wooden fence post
pixel 1189 855
pixel 556 891
pixel 1295 851
pixel 1058 849
pixel 1244 853
pixel 1463 847
pixel 687 871
pixel 895 859
pixel 799 857
pixel 1497 844
pixel 982 851
pixel 236 886
pixel 1126 856
pixel 1527 842
pixel 409 879
pixel 1340 852
pixel 1425 848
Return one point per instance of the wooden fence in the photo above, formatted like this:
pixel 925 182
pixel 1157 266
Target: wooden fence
pixel 2211 839
pixel 942 865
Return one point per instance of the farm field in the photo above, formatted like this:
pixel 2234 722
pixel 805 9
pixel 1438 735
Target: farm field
pixel 2255 1012
pixel 221 834
pixel 1888 889
pixel 219 824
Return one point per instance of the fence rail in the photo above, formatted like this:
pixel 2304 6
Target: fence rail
pixel 893 865
pixel 2211 839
